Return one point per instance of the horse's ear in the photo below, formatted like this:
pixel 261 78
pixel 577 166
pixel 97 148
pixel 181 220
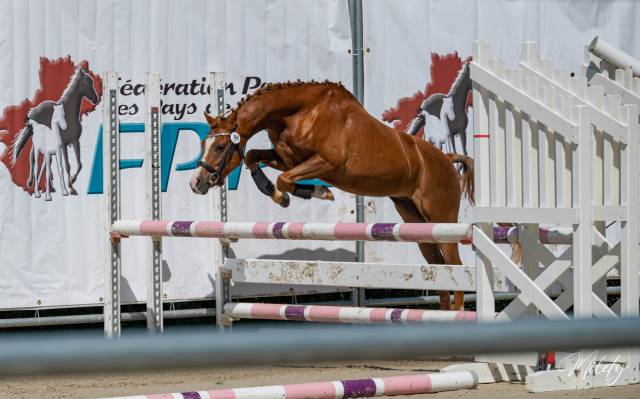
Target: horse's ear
pixel 210 119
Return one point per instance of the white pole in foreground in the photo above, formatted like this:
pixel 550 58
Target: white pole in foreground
pixel 368 387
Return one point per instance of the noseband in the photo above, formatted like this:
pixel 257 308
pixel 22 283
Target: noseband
pixel 215 174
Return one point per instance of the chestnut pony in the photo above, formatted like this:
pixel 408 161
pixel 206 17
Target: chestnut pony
pixel 320 131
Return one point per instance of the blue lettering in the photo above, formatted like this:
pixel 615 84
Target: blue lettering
pixel 169 140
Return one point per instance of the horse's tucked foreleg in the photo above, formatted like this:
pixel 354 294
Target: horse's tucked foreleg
pixel 312 168
pixel 269 157
pixel 252 159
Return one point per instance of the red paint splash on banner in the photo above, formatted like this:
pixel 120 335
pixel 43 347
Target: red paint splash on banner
pixel 55 75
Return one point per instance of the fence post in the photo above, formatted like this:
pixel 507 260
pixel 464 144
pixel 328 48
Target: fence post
pixel 155 323
pixel 221 247
pixel 111 161
pixel 481 152
pixel 582 236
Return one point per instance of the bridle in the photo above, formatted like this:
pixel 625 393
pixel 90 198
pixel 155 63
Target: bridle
pixel 214 175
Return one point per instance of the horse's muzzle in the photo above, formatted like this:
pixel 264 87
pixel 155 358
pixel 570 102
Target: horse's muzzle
pixel 199 185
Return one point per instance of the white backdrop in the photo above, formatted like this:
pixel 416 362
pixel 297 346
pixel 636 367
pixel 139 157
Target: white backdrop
pixel 51 253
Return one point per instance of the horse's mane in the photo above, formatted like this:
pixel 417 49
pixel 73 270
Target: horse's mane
pixel 460 78
pixel 72 84
pixel 271 87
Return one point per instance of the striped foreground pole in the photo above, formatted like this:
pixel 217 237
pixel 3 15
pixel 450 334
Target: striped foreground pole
pixel 342 314
pixel 411 232
pixel 370 387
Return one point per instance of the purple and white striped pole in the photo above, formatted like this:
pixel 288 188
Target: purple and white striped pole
pixel 370 387
pixel 411 232
pixel 343 314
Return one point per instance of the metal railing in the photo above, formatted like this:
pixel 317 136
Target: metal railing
pixel 54 354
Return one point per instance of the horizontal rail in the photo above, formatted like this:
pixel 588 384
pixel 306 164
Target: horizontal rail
pixel 65 353
pixel 369 387
pixel 410 232
pixel 343 314
pixel 358 274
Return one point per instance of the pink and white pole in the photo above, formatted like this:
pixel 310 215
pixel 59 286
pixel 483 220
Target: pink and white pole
pixel 342 314
pixel 410 232
pixel 370 387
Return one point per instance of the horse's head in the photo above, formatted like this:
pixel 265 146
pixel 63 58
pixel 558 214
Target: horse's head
pixel 85 84
pixel 58 117
pixel 222 152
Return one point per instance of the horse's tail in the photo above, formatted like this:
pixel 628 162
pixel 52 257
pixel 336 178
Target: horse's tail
pixel 416 124
pixel 19 142
pixel 466 180
pixel 516 248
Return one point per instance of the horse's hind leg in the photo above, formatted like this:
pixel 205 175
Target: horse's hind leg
pixel 463 140
pixel 65 155
pixel 431 252
pixel 76 150
pixel 61 170
pixel 443 211
pixel 37 175
pixel 47 167
pixel 31 168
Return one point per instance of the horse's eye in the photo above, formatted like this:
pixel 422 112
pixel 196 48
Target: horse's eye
pixel 220 147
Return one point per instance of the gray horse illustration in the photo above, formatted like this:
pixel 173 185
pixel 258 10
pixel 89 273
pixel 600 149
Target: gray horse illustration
pixel 449 113
pixel 80 86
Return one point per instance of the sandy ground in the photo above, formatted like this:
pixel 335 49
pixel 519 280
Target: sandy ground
pixel 121 384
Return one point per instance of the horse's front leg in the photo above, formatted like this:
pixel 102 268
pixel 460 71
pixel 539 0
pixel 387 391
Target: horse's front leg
pixel 313 168
pixel 65 155
pixel 252 159
pixel 61 170
pixel 47 166
pixel 76 150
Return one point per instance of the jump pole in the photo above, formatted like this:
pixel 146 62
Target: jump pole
pixel 343 314
pixel 370 387
pixel 407 232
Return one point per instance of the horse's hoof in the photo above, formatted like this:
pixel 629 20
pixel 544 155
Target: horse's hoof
pixel 323 193
pixel 65 193
pixel 285 201
pixel 47 197
pixel 36 194
pixel 73 191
